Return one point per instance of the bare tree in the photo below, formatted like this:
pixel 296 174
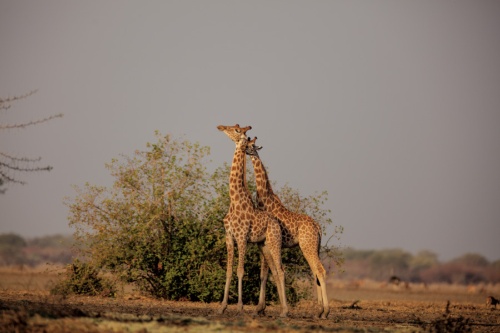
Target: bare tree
pixel 10 165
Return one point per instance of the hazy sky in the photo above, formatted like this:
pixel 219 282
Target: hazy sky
pixel 393 107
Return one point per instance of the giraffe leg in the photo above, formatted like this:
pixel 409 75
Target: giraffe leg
pixel 319 273
pixel 279 272
pixel 242 249
pixel 322 282
pixel 273 240
pixel 266 263
pixel 318 290
pixel 264 273
pixel 229 272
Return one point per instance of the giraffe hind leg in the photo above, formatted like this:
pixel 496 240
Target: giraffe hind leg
pixel 325 306
pixel 319 273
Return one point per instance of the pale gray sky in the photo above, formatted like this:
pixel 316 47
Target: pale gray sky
pixel 394 106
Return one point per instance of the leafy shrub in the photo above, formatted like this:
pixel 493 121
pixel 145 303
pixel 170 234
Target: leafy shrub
pixel 83 279
pixel 160 225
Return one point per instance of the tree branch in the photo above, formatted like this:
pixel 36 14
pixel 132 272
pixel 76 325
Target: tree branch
pixel 20 159
pixel 5 102
pixel 30 123
pixel 28 169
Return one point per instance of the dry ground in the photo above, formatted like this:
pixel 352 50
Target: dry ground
pixel 26 306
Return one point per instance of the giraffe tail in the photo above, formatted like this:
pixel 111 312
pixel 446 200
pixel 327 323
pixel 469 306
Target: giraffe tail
pixel 319 248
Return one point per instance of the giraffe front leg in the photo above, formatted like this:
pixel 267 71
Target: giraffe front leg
pixel 242 249
pixel 229 272
pixel 264 273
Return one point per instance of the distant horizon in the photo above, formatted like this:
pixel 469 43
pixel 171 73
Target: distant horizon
pixel 347 247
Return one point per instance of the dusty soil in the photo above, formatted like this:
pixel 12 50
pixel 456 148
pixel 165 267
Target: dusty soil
pixel 28 307
pixel 26 311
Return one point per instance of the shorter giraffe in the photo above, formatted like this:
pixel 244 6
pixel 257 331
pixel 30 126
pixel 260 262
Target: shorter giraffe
pixel 300 229
pixel 244 223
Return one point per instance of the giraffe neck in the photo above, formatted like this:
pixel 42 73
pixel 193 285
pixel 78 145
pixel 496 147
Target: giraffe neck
pixel 265 194
pixel 264 188
pixel 237 178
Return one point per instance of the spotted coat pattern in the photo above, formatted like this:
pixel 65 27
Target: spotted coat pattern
pixel 299 229
pixel 244 223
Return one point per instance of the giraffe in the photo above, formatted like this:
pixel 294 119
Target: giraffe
pixel 301 229
pixel 244 223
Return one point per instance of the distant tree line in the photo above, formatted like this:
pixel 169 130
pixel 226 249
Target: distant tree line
pixel 423 267
pixel 17 251
pixel 380 265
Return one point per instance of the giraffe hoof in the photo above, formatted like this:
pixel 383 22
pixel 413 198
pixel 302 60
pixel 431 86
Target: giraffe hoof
pixel 321 315
pixel 221 310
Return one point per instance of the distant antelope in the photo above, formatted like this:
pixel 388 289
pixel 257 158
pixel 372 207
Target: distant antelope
pixel 395 280
pixel 492 301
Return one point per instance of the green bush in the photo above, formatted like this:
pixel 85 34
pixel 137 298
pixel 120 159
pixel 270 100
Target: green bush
pixel 160 227
pixel 82 279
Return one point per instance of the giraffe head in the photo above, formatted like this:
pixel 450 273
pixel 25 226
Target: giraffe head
pixel 235 133
pixel 252 148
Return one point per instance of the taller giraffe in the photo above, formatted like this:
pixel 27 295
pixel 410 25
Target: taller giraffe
pixel 301 229
pixel 244 223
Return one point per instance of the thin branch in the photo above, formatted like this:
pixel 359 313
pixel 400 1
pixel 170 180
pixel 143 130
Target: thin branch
pixel 5 102
pixel 6 179
pixel 18 168
pixel 20 159
pixel 34 122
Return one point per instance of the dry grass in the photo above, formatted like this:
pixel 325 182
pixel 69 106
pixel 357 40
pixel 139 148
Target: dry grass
pixel 363 306
pixel 29 278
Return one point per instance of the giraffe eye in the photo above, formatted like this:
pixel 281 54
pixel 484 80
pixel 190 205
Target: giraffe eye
pixel 237 130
